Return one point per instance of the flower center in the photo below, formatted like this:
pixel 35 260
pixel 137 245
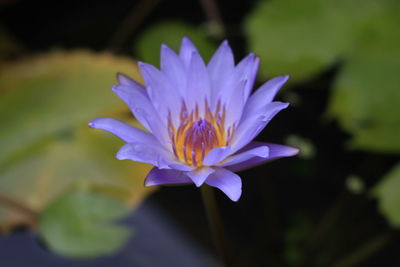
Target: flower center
pixel 196 135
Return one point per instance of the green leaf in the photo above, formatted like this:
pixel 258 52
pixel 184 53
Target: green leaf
pixel 82 225
pixel 47 147
pixel 387 192
pixel 49 94
pixel 301 38
pixel 366 94
pixel 171 33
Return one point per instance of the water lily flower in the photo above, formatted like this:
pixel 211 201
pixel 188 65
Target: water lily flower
pixel 200 119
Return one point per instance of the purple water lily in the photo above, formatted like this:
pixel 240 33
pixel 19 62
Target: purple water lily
pixel 201 119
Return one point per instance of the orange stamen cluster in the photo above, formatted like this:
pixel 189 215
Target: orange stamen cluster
pixel 196 135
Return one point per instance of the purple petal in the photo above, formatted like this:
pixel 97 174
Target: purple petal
pixel 265 93
pixel 199 175
pixel 186 51
pixel 252 73
pixel 261 151
pixel 235 89
pixel 275 152
pixel 173 67
pixel 227 181
pixel 180 167
pixel 235 104
pixel 198 84
pixel 220 68
pixel 143 152
pixel 160 177
pixel 139 103
pixel 124 131
pixel 163 95
pixel 125 80
pixel 253 123
pixel 247 70
pixel 215 155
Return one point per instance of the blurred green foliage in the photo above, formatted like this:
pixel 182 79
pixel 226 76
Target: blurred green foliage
pixel 86 219
pixel 304 38
pixel 171 33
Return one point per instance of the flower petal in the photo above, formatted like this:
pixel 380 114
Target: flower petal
pixel 247 70
pixel 139 103
pixel 173 67
pixel 160 177
pixel 186 51
pixel 251 72
pixel 234 92
pixel 198 84
pixel 253 123
pixel 220 68
pixel 275 152
pixel 180 167
pixel 163 95
pixel 215 155
pixel 125 80
pixel 124 131
pixel 261 151
pixel 235 104
pixel 146 153
pixel 199 175
pixel 265 93
pixel 227 181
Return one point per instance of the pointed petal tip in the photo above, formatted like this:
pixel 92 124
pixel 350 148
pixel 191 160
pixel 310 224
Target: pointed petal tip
pixel 283 79
pixel 281 105
pixel 186 42
pixel 185 38
pixel 294 151
pixel 148 183
pixel 141 65
pixel 114 88
pixel 118 156
pixel 121 154
pixel 94 123
pixel 237 197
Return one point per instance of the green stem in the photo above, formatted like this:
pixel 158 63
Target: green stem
pixel 216 225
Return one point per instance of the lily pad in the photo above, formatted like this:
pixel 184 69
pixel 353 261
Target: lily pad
pixel 47 147
pixel 302 38
pixel 366 94
pixel 83 225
